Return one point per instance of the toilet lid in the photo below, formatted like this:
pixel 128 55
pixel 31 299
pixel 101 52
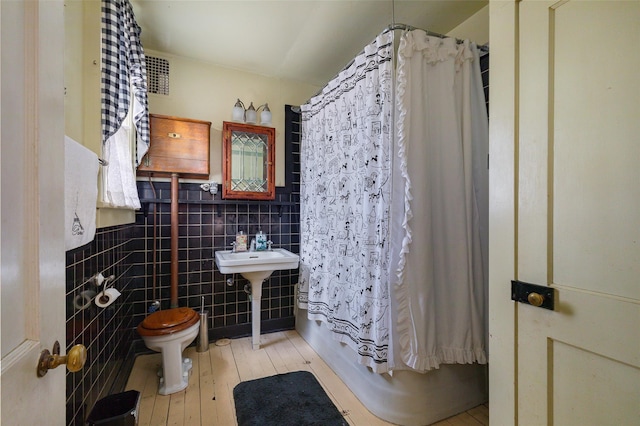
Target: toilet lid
pixel 170 318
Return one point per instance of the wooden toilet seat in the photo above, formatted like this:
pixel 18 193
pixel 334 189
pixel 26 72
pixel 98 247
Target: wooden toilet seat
pixel 168 321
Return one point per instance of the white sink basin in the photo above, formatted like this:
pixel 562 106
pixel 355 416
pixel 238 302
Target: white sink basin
pixel 255 266
pixel 255 261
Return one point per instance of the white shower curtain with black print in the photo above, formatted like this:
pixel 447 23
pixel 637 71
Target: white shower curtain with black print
pixel 345 202
pixel 393 244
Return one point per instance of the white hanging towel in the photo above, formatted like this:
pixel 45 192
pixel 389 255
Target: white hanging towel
pixel 80 194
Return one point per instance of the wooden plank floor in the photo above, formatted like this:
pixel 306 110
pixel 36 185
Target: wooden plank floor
pixel 209 398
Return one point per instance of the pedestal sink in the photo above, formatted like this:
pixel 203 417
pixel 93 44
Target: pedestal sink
pixel 255 266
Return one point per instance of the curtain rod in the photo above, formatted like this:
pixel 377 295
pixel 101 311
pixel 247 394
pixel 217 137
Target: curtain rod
pixel 405 27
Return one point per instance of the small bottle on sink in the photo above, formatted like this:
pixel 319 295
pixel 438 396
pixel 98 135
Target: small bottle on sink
pixel 261 241
pixel 241 241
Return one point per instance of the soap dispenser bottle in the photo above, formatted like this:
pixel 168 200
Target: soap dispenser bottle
pixel 241 241
pixel 261 241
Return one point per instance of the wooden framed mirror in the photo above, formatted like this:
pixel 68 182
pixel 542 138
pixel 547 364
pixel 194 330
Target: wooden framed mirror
pixel 248 162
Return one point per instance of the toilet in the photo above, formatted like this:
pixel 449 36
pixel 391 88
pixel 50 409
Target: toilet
pixel 170 332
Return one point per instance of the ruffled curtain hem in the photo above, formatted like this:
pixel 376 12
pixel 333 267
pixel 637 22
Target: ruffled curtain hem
pixel 424 363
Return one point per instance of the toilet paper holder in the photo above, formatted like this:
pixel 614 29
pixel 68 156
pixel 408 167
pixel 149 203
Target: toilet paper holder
pixel 105 285
pixel 90 289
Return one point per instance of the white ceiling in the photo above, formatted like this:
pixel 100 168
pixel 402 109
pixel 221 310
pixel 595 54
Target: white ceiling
pixel 303 40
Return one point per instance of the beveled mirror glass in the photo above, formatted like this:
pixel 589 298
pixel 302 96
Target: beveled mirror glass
pixel 248 164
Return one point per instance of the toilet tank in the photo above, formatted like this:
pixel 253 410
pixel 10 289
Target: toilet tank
pixel 177 145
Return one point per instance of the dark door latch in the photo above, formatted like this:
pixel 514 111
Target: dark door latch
pixel 533 294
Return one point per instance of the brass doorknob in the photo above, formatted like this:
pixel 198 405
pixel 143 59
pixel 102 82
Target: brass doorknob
pixel 535 299
pixel 74 359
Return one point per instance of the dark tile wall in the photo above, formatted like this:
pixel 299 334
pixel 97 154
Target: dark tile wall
pixel 206 223
pixel 106 333
pixel 484 70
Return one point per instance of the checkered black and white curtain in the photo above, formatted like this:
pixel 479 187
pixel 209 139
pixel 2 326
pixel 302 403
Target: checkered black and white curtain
pixel 125 118
pixel 123 72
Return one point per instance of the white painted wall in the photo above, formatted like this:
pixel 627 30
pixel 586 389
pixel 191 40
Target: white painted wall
pixel 475 28
pixel 208 92
pixel 204 91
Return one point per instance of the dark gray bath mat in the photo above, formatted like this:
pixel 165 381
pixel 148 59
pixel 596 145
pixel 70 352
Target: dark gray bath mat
pixel 290 399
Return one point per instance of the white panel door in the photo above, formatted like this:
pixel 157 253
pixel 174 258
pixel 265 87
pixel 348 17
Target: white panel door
pixel 32 279
pixel 575 198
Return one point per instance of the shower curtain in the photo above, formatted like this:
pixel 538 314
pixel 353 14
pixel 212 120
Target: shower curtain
pixel 441 122
pixel 390 252
pixel 345 195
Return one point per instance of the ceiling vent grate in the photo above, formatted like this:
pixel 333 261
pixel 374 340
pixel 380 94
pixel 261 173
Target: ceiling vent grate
pixel 157 75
